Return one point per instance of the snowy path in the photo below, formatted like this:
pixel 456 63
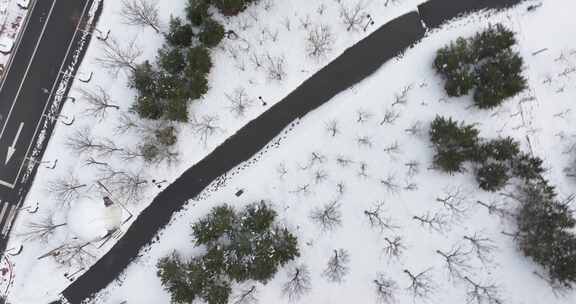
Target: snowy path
pixel 354 65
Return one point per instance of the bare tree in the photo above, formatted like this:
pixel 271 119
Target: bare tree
pixel 390 116
pixel 363 116
pixel 390 184
pixel 352 16
pixel 385 289
pixel 343 161
pixel 434 222
pixel 496 208
pixel 392 149
pixel 99 102
pixel 481 246
pixel 413 168
pixel 332 128
pixel 315 158
pixel 73 254
pixel 456 262
pixel 116 57
pixel 42 229
pixel 240 102
pixel 402 97
pixel 377 220
pixel 275 68
pixel 205 127
pixel 327 217
pixel 415 129
pixel 364 141
pixel 319 41
pixel 363 170
pixel 421 284
pixel 480 293
pixel 82 142
pixel 298 283
pixel 320 176
pixel 128 185
pixel 454 201
pixel 65 188
pixel 337 267
pixel 141 13
pixel 126 122
pixel 394 247
pixel 246 296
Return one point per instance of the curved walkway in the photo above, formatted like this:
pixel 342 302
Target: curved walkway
pixel 355 64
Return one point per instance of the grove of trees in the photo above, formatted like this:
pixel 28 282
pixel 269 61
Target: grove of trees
pixel 239 246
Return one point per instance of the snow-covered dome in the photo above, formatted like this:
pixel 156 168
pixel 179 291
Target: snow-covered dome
pixel 90 219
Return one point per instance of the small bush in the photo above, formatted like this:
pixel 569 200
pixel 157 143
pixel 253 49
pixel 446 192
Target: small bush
pixel 180 34
pixel 197 11
pixel 166 136
pixel 171 60
pixel 502 149
pixel 492 177
pixel 492 41
pixel 212 33
pixel 543 232
pixel 453 62
pixel 499 78
pixel 527 167
pixel 485 62
pixel 198 60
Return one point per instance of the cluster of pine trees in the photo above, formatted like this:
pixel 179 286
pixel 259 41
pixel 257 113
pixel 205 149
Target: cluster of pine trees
pixel 543 221
pixel 239 246
pixel 485 62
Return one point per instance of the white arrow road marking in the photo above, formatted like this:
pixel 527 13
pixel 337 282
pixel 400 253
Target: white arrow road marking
pixel 12 149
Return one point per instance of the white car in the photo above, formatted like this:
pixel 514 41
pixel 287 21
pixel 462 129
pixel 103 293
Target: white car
pixel 23 3
pixel 6 45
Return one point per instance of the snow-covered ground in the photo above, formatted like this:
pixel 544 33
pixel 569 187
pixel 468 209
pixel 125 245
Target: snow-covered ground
pixel 12 17
pixel 295 185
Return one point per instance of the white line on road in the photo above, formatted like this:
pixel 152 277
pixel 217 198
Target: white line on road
pixel 18 41
pixel 28 68
pixel 12 148
pixel 6 204
pixel 11 186
pixel 9 219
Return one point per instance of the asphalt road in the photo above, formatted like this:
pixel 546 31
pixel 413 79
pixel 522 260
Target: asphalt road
pixel 355 64
pixel 49 37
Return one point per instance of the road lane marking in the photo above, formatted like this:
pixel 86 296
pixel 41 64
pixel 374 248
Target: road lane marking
pixel 28 68
pixel 9 185
pixel 12 148
pixel 9 219
pixel 18 41
pixel 6 204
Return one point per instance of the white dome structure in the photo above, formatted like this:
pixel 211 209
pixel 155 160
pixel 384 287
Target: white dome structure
pixel 91 219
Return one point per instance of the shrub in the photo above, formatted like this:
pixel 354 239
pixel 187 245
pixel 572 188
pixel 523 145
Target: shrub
pixel 543 232
pixel 180 34
pixel 499 78
pixel 492 41
pixel 486 62
pixel 143 79
pixel 166 136
pixel 454 63
pixel 492 177
pixel 198 60
pixel 212 33
pixel 171 60
pixel 527 167
pixel 149 152
pixel 502 149
pixel 447 134
pixel 148 107
pixel 197 11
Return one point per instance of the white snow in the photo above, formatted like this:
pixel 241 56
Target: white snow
pixel 90 220
pixel 546 121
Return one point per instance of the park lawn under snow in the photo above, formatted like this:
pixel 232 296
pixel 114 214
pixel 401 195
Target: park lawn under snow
pixel 280 175
pixel 12 18
pixel 271 27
